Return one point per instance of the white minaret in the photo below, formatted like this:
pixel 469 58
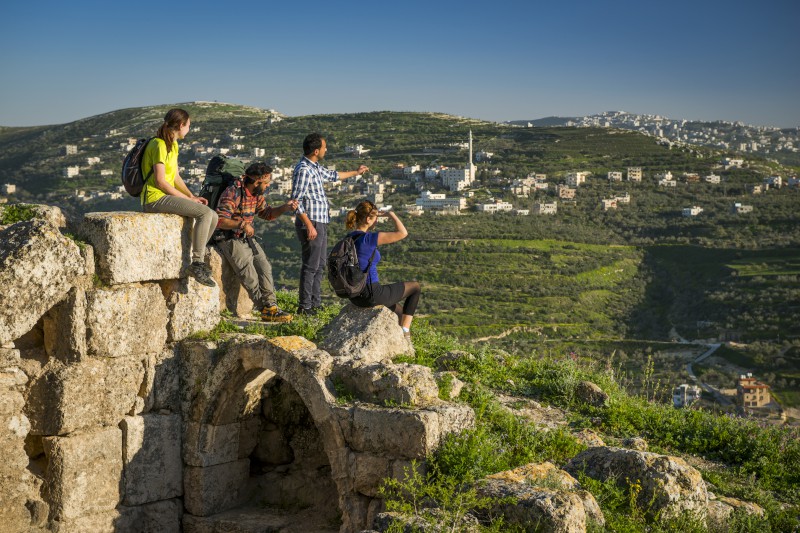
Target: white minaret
pixel 469 163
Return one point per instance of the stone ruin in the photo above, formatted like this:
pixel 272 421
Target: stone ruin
pixel 113 419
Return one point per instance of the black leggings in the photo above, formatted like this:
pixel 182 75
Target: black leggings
pixel 391 295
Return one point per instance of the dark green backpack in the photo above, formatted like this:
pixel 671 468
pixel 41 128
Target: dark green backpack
pixel 222 171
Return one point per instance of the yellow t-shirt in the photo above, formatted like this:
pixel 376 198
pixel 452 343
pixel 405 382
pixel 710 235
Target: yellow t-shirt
pixel 156 152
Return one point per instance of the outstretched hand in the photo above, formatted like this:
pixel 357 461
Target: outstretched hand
pixel 362 169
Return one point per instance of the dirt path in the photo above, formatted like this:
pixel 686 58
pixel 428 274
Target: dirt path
pixel 506 333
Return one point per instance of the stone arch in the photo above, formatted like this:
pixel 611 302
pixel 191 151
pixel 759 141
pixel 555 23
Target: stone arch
pixel 225 388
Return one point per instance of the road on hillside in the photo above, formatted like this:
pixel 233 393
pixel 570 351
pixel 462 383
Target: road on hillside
pixel 721 398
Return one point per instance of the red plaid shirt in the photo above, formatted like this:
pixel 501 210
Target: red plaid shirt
pixel 236 203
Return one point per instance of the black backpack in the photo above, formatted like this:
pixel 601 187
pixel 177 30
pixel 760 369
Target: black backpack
pixel 344 274
pixel 132 177
pixel 222 172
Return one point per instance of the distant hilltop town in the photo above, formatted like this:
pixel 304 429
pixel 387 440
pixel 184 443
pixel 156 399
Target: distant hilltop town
pixel 736 136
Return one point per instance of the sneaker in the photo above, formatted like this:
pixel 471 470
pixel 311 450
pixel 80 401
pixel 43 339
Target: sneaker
pixel 198 271
pixel 307 311
pixel 275 314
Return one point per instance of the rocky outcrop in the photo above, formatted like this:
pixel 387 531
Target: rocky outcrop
pixel 365 335
pixel 665 486
pixel 591 394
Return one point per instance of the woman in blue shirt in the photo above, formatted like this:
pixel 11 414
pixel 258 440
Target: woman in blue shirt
pixel 362 219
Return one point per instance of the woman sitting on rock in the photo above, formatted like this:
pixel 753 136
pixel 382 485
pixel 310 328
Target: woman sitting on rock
pixel 362 219
pixel 165 191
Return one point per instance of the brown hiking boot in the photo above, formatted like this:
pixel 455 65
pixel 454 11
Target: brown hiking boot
pixel 275 314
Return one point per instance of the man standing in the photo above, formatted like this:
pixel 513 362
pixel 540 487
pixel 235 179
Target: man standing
pixel 238 206
pixel 312 218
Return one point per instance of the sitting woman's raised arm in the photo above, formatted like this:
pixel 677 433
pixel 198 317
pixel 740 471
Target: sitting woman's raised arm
pixel 400 232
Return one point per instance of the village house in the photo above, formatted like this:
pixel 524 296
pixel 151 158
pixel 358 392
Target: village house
pixel 72 149
pixel 756 188
pixel 712 178
pixel 635 174
pixel 575 179
pixel 685 395
pixel 691 177
pixel 495 207
pixel 9 188
pixel 609 203
pixel 624 199
pixel 566 193
pixel 615 176
pixel 545 209
pixel 731 163
pixel 429 200
pixel 775 182
pixel 752 393
pixel 71 172
pixel 739 208
pixel 692 211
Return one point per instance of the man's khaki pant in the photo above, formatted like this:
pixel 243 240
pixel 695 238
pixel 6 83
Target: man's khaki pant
pixel 255 272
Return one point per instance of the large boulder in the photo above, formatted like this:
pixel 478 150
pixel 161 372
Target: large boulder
pixel 38 267
pixel 367 335
pixel 668 486
pixel 133 247
pixel 389 384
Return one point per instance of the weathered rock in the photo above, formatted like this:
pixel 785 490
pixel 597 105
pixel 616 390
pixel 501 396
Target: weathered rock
pixel 14 515
pixel 720 511
pixel 368 470
pixel 84 473
pixel 589 438
pixel 158 517
pixel 416 524
pixel 374 429
pixel 38 266
pixel 669 486
pixel 9 357
pixel 449 384
pixel 366 335
pixel 591 394
pixel 635 443
pixel 232 295
pixel 192 307
pixel 548 476
pixel 87 394
pixel 151 454
pixel 213 489
pixel 126 320
pixel 398 384
pixel 133 247
pixel 104 522
pixel 65 327
pixel 534 508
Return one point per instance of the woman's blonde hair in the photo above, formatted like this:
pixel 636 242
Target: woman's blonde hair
pixel 173 121
pixel 359 215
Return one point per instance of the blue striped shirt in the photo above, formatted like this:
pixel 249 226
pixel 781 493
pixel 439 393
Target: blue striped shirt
pixel 307 180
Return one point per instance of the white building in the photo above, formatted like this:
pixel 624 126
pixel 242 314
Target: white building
pixel 455 179
pixel 635 174
pixel 545 209
pixel 774 181
pixel 70 149
pixel 712 178
pixel 667 183
pixel 429 200
pixel 566 193
pixel 692 211
pixel 609 203
pixel 495 207
pixel 9 188
pixel 356 150
pixel 575 179
pixel 727 162
pixel 92 161
pixel 522 212
pixel 483 156
pixel 615 176
pixel 624 199
pixel 739 208
pixel 432 172
pixel 259 152
pixel 685 395
pixel 71 172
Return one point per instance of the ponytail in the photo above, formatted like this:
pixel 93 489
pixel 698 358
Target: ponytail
pixel 350 220
pixel 173 120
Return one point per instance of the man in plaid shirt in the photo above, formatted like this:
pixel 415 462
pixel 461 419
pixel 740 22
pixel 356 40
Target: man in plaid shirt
pixel 237 208
pixel 311 222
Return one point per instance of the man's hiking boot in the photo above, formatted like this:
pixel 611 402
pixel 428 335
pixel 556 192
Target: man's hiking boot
pixel 199 272
pixel 307 311
pixel 275 314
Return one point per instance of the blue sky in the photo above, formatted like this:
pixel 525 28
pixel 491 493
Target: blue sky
pixel 501 60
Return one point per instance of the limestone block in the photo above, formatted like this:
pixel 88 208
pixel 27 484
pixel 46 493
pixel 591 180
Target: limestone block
pixel 91 393
pixel 131 247
pixel 375 429
pixel 126 320
pixel 65 327
pixel 104 522
pixel 212 489
pixel 161 387
pixel 38 266
pixel 14 515
pixel 151 455
pixel 367 335
pixel 669 485
pixel 208 445
pixel 9 357
pixel 192 307
pixel 550 510
pixel 399 384
pixel 84 473
pixel 232 295
pixel 196 359
pixel 51 214
pixel 369 470
pixel 158 517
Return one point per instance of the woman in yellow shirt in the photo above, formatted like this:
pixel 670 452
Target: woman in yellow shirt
pixel 165 191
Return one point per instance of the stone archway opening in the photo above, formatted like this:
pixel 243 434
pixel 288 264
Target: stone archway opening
pixel 257 461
